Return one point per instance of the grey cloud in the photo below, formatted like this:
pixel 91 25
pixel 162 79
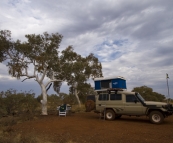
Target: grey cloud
pixel 147 25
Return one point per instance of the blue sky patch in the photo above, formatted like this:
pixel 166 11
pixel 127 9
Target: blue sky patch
pixel 120 42
pixel 113 42
pixel 106 51
pixel 13 2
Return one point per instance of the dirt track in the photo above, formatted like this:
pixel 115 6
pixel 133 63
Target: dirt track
pixel 87 127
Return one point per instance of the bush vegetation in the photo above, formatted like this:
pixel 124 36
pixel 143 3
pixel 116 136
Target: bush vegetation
pixel 13 103
pixel 148 94
pixel 17 107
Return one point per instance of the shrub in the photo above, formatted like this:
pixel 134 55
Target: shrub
pixel 13 103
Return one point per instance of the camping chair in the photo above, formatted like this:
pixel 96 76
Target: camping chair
pixel 62 110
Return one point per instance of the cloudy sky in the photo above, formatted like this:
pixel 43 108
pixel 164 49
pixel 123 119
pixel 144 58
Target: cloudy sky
pixel 131 38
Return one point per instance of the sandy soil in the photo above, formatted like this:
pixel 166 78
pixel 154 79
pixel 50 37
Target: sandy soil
pixel 87 127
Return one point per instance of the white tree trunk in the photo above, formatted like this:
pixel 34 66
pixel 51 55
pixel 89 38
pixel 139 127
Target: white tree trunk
pixel 44 101
pixel 77 97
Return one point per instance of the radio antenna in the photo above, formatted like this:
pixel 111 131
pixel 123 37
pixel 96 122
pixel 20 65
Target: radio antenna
pixel 167 87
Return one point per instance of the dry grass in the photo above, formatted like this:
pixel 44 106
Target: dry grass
pixel 8 135
pixel 8 121
pixel 76 108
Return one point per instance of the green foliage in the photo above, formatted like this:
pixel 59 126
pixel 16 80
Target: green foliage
pixel 42 49
pixel 62 98
pixel 76 70
pixel 170 100
pixel 16 103
pixel 3 110
pixel 53 101
pixel 5 44
pixel 148 94
pixel 94 67
pixel 86 90
pixel 39 50
pixel 70 99
pixel 29 103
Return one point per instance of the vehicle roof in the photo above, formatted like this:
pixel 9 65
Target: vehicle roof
pixel 125 92
pixel 119 92
pixel 108 78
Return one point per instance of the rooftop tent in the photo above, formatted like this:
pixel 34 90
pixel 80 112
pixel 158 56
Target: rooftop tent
pixel 106 83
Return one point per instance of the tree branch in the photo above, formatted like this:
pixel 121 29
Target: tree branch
pixel 28 76
pixel 25 79
pixel 51 81
pixel 44 73
pixel 48 87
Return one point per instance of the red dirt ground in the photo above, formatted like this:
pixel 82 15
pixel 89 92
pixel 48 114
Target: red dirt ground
pixel 87 127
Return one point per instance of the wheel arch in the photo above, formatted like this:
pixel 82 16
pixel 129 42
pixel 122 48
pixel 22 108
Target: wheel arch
pixel 150 110
pixel 110 109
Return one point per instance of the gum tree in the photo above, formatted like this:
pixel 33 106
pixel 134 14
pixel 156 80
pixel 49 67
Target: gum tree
pixel 38 58
pixel 78 70
pixel 34 59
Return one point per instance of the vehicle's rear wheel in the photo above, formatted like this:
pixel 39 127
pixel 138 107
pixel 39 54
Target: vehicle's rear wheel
pixel 156 117
pixel 110 114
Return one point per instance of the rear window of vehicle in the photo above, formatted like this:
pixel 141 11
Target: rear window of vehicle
pixel 91 97
pixel 115 97
pixel 103 97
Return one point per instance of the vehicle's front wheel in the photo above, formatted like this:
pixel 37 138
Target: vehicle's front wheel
pixel 110 114
pixel 156 117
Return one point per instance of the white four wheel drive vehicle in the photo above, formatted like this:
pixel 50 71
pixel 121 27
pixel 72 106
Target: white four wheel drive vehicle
pixel 113 103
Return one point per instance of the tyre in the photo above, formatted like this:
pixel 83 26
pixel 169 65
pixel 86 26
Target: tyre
pixel 156 117
pixel 110 114
pixel 89 105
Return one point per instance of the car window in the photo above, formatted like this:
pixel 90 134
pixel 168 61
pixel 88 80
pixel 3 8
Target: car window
pixel 103 97
pixel 131 98
pixel 91 97
pixel 115 97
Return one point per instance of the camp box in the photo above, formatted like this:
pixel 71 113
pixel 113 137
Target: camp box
pixel 110 83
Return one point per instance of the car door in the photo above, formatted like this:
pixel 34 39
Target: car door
pixel 102 101
pixel 132 106
pixel 116 103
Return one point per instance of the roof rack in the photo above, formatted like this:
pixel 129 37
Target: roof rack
pixel 109 78
pixel 109 90
pixel 114 89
